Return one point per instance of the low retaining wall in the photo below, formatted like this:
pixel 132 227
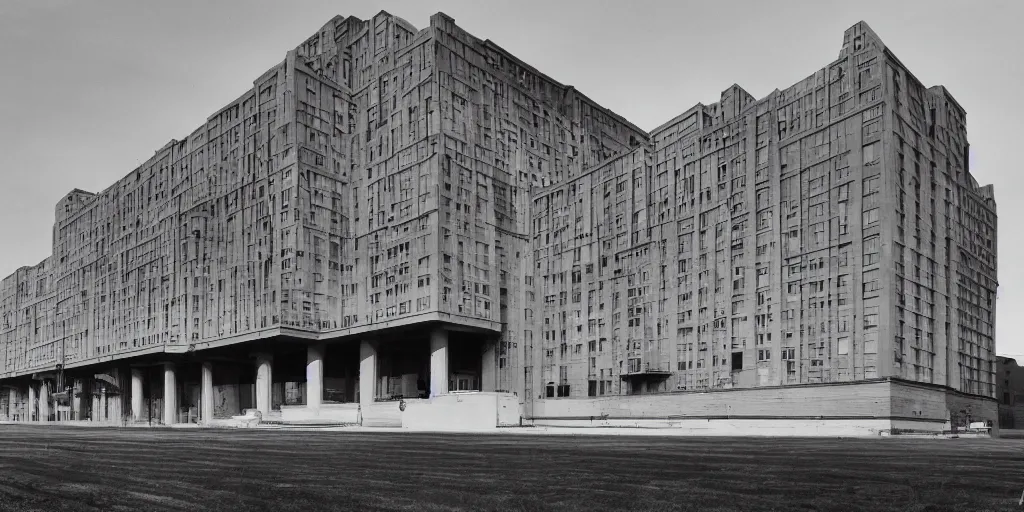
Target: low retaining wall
pixel 455 412
pixel 468 411
pixel 334 413
pixel 862 408
pixel 738 427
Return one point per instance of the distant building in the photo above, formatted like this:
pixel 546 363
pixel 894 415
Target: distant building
pixel 1010 390
pixel 393 212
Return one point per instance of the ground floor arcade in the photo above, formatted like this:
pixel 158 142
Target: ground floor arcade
pixel 278 377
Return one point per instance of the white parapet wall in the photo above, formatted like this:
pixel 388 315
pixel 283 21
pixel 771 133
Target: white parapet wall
pixel 463 411
pixel 456 411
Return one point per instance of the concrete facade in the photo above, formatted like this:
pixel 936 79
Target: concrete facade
pixel 1010 392
pixel 393 213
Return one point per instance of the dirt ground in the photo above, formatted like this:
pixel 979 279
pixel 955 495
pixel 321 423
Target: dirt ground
pixel 69 468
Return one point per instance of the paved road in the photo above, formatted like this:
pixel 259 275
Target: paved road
pixel 74 468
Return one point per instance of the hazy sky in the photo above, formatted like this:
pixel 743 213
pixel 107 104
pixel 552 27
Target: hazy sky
pixel 91 89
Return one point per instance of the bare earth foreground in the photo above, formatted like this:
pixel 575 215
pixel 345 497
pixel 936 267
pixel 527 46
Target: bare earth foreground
pixel 69 468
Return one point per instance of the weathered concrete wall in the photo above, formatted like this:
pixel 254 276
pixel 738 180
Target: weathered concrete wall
pixel 921 402
pixel 867 400
pixel 740 427
pixel 1011 416
pixel 842 409
pixel 226 400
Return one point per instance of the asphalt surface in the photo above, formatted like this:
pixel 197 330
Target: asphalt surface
pixel 74 468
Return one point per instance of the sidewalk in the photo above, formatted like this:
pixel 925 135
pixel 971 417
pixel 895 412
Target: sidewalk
pixel 525 430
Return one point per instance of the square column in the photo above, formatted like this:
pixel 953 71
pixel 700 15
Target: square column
pixel 76 400
pixel 12 410
pixel 94 414
pixel 367 373
pixel 170 395
pixel 136 394
pixel 439 362
pixel 206 394
pixel 103 404
pixel 489 366
pixel 314 375
pixel 264 378
pixel 44 401
pixel 31 409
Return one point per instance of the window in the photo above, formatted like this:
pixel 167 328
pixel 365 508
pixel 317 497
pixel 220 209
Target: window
pixel 871 250
pixel 870 217
pixel 871 343
pixel 871 153
pixel 871 282
pixel 870 317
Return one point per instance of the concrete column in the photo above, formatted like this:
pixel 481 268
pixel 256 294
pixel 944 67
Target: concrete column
pixel 136 394
pixel 114 406
pixel 438 362
pixel 264 379
pixel 103 404
pixel 94 415
pixel 314 375
pixel 76 400
pixel 367 373
pixel 44 401
pixel 170 395
pixel 489 366
pixel 31 402
pixel 206 394
pixel 12 410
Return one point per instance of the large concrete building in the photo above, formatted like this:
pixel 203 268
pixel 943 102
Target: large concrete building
pixel 401 213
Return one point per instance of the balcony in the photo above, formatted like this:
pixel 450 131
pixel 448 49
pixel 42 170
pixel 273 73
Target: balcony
pixel 646 370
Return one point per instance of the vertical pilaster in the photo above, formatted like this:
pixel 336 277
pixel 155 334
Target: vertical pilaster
pixel 314 375
pixel 94 413
pixel 438 362
pixel 489 366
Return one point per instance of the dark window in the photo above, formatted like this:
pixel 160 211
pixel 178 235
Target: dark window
pixel 592 388
pixel 737 361
pixel 551 391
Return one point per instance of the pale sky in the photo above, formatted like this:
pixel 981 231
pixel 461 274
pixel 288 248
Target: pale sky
pixel 91 89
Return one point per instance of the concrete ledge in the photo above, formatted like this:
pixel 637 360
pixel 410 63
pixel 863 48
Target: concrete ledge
pixel 333 413
pixel 735 427
pixel 382 414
